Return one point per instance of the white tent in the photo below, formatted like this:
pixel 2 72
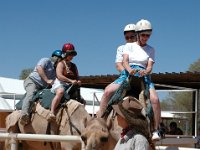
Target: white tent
pixel 11 90
pixel 92 97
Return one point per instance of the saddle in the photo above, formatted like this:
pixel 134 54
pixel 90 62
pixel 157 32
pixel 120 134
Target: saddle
pixel 45 97
pixel 133 86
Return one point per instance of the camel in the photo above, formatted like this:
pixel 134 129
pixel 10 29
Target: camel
pixel 109 119
pixel 71 120
pixel 109 128
pixel 132 88
pixel 114 132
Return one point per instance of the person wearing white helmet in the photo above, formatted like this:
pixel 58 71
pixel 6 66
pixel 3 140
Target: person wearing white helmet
pixel 140 56
pixel 130 36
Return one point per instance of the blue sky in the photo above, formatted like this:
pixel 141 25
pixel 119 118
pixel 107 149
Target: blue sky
pixel 30 30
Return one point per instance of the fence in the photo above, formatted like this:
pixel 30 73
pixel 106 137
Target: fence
pixel 10 100
pixel 39 137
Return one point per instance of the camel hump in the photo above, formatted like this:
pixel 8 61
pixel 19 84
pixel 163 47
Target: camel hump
pixel 72 105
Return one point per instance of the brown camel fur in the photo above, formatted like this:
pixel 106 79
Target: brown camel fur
pixel 71 120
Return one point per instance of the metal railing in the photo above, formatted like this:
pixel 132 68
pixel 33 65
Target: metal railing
pixel 10 97
pixel 93 102
pixel 14 137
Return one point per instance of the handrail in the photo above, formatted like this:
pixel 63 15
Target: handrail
pixel 14 98
pixel 14 137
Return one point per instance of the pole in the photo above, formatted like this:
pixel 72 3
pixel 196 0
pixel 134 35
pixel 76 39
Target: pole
pixel 39 137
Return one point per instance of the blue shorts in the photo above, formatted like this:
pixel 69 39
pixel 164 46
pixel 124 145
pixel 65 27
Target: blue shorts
pixel 124 75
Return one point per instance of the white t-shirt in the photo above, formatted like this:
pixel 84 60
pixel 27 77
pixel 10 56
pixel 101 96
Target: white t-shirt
pixel 139 55
pixel 119 55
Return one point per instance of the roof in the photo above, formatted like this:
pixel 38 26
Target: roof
pixel 161 80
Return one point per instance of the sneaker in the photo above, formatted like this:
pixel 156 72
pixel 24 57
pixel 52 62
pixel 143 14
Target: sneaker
pixel 51 117
pixel 155 136
pixel 24 119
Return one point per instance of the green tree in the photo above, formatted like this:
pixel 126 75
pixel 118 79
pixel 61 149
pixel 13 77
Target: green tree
pixel 177 101
pixel 25 73
pixel 195 67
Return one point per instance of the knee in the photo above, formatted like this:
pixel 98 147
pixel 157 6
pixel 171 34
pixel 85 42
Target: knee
pixel 154 99
pixel 60 92
pixel 108 91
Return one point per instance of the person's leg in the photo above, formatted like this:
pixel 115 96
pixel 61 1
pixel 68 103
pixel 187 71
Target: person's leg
pixel 109 91
pixel 156 107
pixel 30 88
pixel 157 114
pixel 56 100
pixel 154 101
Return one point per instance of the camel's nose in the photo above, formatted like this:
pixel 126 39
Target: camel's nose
pixel 104 139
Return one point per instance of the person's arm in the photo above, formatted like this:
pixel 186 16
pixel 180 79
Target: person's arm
pixel 42 74
pixel 150 63
pixel 119 59
pixel 126 64
pixel 77 74
pixel 148 69
pixel 119 66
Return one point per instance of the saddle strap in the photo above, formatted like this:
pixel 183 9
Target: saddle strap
pixel 67 67
pixel 71 124
pixel 48 131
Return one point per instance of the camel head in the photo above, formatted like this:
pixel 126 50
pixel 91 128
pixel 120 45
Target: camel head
pixel 95 134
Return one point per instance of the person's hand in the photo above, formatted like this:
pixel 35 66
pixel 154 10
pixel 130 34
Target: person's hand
pixel 133 71
pixel 142 73
pixel 79 82
pixel 74 82
pixel 50 82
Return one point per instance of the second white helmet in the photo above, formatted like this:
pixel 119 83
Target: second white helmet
pixel 129 27
pixel 143 26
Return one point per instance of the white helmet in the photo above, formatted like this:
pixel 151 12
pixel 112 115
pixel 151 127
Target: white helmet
pixel 143 26
pixel 129 27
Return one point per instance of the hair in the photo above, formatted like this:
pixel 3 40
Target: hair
pixel 173 124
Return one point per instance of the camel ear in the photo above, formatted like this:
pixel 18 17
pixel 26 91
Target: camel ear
pixel 109 124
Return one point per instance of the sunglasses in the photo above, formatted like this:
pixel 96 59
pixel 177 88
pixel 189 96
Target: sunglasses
pixel 130 37
pixel 145 35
